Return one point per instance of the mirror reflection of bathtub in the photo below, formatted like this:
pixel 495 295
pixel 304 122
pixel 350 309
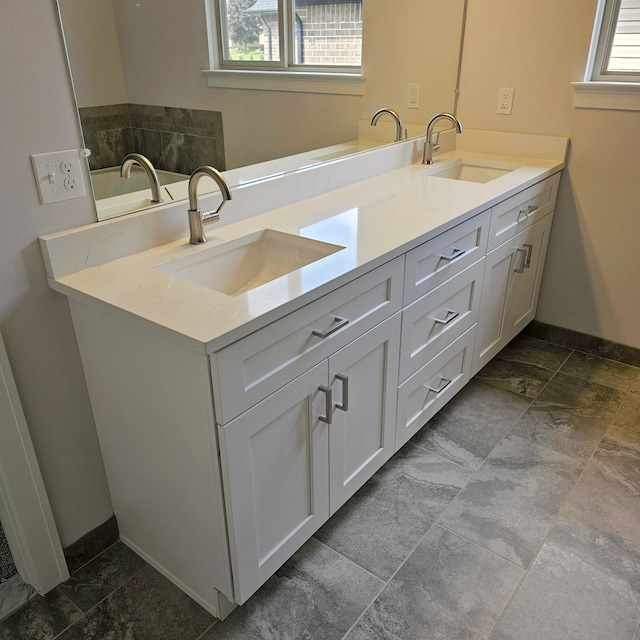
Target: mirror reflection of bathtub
pixel 116 196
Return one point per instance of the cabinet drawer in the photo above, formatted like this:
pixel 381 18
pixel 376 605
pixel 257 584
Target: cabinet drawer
pixel 252 368
pixel 430 388
pixel 437 260
pixel 438 318
pixel 518 212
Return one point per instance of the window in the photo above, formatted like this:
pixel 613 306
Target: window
pixel 617 51
pixel 311 46
pixel 612 77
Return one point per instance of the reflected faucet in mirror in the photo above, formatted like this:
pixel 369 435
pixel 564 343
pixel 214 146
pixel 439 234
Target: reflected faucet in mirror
pixel 137 158
pixel 197 217
pixel 394 115
pixel 430 146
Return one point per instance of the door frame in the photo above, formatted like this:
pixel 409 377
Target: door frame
pixel 25 511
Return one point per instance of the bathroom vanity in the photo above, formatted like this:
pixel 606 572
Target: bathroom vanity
pixel 245 389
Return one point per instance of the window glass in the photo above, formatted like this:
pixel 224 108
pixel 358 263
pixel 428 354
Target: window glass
pixel 327 33
pixel 625 46
pixel 251 30
pixel 288 33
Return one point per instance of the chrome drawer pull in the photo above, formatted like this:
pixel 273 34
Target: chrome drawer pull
pixel 519 251
pixel 345 392
pixel 528 211
pixel 340 322
pixel 442 387
pixel 455 253
pixel 451 315
pixel 527 260
pixel 328 405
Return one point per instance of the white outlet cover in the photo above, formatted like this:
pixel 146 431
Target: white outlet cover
pixel 58 175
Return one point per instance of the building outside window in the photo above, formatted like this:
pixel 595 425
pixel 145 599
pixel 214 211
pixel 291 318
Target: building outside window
pixel 290 34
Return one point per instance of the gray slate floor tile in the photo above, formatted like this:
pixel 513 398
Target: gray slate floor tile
pixel 584 585
pixel 512 500
pixel 318 595
pixel 379 526
pixel 608 492
pixel 525 379
pixel 97 579
pixel 570 415
pixel 472 424
pixel 147 607
pixel 600 370
pixel 448 589
pixel 42 618
pixel 526 350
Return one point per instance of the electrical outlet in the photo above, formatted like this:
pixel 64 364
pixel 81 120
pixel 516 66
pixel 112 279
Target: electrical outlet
pixel 505 101
pixel 58 175
pixel 413 101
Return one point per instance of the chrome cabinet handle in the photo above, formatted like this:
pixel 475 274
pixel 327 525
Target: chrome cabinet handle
pixel 519 251
pixel 455 253
pixel 344 406
pixel 444 383
pixel 527 259
pixel 340 322
pixel 528 211
pixel 328 405
pixel 451 315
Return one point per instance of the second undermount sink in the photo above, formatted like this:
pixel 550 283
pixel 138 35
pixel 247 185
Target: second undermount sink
pixel 475 170
pixel 245 263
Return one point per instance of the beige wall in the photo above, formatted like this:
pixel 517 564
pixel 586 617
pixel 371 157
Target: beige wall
pixel 92 43
pixel 36 115
pixel 539 48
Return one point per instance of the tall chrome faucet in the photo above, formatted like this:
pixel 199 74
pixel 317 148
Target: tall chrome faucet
pixel 144 162
pixel 394 115
pixel 430 146
pixel 197 217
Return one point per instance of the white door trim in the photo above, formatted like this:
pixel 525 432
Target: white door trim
pixel 25 512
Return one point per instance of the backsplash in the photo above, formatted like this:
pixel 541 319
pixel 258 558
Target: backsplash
pixel 174 139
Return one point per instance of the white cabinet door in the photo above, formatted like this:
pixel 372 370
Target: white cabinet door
pixel 276 462
pixel 364 379
pixel 513 273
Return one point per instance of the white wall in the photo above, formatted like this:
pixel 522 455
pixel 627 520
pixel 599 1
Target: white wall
pixel 92 43
pixel 539 47
pixel 36 115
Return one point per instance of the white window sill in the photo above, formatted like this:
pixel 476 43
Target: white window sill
pixel 350 84
pixel 623 96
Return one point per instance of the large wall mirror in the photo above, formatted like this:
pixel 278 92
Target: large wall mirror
pixel 137 68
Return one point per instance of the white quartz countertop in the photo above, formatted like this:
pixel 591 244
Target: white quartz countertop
pixel 375 220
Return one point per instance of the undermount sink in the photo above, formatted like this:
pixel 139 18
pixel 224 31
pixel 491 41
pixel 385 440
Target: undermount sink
pixel 475 170
pixel 245 263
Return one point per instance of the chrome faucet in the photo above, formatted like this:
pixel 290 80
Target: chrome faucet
pixel 429 145
pixel 197 217
pixel 394 115
pixel 144 162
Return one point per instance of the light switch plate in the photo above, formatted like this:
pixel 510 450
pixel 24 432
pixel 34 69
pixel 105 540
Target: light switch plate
pixel 58 175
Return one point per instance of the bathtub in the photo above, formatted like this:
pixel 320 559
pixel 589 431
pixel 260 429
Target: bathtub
pixel 107 183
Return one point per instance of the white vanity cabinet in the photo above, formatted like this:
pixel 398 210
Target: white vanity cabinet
pixel 443 280
pixel 295 457
pixel 224 455
pixel 513 270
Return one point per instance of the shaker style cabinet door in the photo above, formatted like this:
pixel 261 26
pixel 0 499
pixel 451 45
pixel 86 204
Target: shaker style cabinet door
pixel 513 273
pixel 364 382
pixel 275 461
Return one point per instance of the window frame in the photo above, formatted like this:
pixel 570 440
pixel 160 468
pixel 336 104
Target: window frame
pixel 606 90
pixel 282 75
pixel 602 42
